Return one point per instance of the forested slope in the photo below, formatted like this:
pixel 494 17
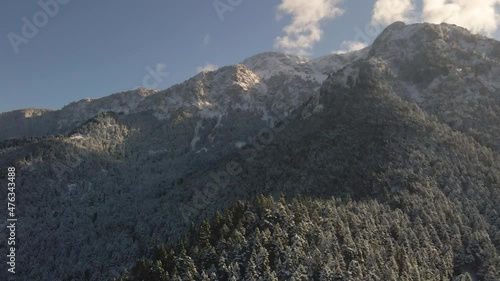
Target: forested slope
pixel 414 199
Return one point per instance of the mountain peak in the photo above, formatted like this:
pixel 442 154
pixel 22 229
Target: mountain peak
pixel 405 41
pixel 401 31
pixel 269 64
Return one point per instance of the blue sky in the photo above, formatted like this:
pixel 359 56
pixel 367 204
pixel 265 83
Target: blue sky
pixel 95 48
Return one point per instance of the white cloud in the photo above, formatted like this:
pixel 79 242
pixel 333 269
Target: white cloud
pixel 207 67
pixel 304 30
pixel 160 66
pixel 480 16
pixel 206 39
pixel 350 46
pixel 389 11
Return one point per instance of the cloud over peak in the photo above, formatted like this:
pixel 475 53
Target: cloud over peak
pixel 389 11
pixel 351 46
pixel 479 16
pixel 304 30
pixel 207 67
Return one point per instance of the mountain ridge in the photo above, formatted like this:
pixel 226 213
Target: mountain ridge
pixel 246 75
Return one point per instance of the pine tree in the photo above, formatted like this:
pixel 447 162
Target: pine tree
pixel 205 234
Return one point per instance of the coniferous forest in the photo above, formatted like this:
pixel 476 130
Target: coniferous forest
pixel 329 239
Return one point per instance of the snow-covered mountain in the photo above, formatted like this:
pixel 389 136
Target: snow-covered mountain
pixel 114 174
pixel 447 71
pixel 265 82
pixel 276 82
